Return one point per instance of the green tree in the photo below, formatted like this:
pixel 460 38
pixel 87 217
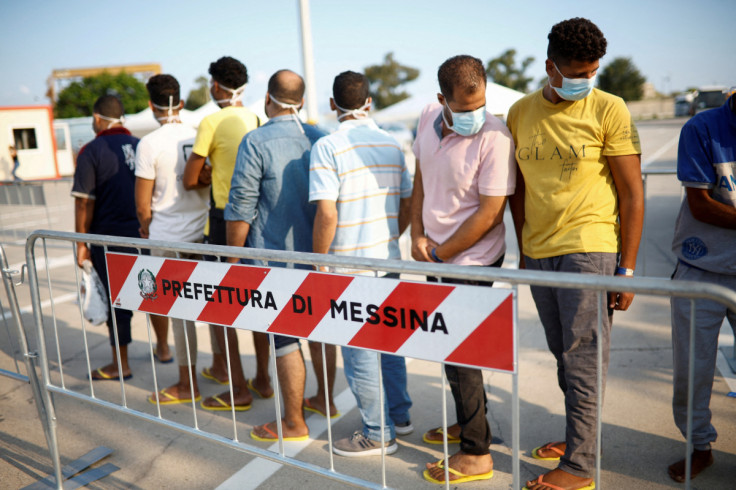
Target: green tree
pixel 386 78
pixel 621 77
pixel 198 96
pixel 503 71
pixel 77 99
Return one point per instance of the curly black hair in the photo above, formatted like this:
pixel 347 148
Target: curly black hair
pixel 161 87
pixel 463 71
pixel 576 39
pixel 350 90
pixel 229 72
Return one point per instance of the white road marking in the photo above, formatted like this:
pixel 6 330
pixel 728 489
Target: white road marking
pixel 654 156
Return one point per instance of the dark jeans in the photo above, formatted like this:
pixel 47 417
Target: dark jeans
pixel 466 385
pixel 122 317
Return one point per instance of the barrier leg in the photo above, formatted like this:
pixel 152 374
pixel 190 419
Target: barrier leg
pixel 690 396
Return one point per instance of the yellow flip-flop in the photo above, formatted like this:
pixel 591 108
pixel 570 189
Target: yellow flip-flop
pixel 166 398
pixel 224 406
pixel 550 446
pixel 555 487
pixel 208 374
pixel 274 437
pixel 450 439
pixel 311 408
pixel 463 478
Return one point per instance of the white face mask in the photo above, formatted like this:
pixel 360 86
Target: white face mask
pixel 359 113
pixel 237 93
pixel 294 110
pixel 170 117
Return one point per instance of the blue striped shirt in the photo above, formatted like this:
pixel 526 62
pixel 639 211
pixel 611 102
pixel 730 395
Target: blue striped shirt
pixel 362 169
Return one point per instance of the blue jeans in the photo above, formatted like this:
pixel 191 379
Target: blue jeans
pixel 361 371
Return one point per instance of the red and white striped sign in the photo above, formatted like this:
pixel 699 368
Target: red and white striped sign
pixel 457 324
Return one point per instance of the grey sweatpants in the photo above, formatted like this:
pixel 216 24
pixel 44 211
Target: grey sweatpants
pixel 709 317
pixel 570 321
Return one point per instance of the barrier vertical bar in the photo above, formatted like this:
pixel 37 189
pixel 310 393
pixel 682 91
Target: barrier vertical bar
pixel 184 325
pixel 48 406
pixel 53 313
pixel 690 396
pixel 115 335
pixel 644 233
pixel 327 407
pixel 277 393
pixel 445 449
pixel 82 321
pixel 599 388
pixel 230 378
pixel 381 398
pixel 515 422
pixel 153 365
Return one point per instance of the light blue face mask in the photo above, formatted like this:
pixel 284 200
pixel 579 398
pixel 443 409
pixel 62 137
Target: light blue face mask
pixel 466 123
pixel 573 88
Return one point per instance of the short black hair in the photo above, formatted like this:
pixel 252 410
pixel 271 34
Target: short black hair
pixel 109 106
pixel 462 71
pixel 350 90
pixel 576 39
pixel 288 92
pixel 161 87
pixel 229 72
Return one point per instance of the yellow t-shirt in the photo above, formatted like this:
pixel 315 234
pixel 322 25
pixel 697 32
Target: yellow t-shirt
pixel 218 138
pixel 571 204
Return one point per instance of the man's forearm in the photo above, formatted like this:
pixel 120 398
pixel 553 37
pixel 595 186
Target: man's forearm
pixel 325 225
pixel 483 220
pixel 417 204
pixel 631 217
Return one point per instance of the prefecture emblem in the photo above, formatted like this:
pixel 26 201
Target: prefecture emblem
pixel 147 284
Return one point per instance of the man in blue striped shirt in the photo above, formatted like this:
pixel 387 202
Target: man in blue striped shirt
pixel 359 180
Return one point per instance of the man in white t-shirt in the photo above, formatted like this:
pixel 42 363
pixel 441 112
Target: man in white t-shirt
pixel 166 211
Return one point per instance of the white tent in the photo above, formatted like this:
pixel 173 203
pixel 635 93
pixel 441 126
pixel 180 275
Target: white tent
pixel 142 123
pixel 498 101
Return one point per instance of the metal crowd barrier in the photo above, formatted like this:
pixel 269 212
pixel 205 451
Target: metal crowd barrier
pixel 28 205
pixel 649 286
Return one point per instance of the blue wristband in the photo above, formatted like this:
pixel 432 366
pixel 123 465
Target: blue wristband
pixel 433 253
pixel 623 271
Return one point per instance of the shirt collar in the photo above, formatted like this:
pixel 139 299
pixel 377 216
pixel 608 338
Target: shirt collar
pixel 114 130
pixel 366 121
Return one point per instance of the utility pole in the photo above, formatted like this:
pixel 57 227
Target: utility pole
pixel 308 62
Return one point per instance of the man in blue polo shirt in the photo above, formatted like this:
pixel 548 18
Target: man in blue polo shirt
pixel 104 204
pixel 705 237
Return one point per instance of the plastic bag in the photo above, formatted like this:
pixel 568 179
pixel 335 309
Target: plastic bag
pixel 92 292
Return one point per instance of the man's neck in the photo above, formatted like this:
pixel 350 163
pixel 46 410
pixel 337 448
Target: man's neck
pixel 551 95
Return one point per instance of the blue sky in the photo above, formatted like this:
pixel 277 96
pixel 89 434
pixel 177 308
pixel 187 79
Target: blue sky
pixel 675 44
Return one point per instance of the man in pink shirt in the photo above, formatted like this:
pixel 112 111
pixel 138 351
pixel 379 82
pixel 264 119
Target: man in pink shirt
pixel 465 171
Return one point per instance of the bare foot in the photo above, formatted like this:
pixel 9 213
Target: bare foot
pixel 162 352
pixel 700 461
pixel 269 431
pixel 552 450
pixel 175 392
pixel 108 372
pixel 318 403
pixel 435 435
pixel 467 464
pixel 243 398
pixel 560 479
pixel 262 388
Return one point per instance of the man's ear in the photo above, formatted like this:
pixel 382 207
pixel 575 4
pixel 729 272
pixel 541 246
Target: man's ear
pixel 150 105
pixel 549 67
pixel 440 98
pixel 369 103
pixel 333 106
pixel 301 105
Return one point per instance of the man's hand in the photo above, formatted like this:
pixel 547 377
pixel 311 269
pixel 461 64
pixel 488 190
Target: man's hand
pixel 83 253
pixel 421 248
pixel 620 301
pixel 205 176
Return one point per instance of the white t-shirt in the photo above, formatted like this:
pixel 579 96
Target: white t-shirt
pixel 178 214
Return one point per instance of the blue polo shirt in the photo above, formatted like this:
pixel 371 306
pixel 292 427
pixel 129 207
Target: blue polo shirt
pixel 105 173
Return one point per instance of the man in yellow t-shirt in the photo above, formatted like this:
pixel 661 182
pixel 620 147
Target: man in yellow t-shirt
pixel 218 138
pixel 578 207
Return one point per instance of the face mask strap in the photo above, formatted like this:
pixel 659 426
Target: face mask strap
pixel 170 117
pixel 113 120
pixel 359 113
pixel 294 108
